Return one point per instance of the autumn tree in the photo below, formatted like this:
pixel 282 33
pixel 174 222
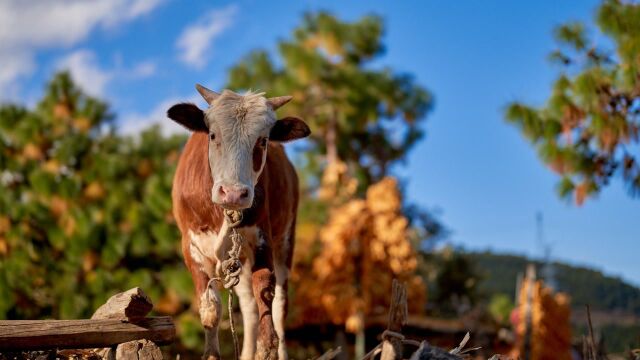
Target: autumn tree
pixel 588 130
pixel 366 244
pixel 542 322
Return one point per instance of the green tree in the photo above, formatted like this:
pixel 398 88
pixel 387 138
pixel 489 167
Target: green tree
pixel 588 130
pixel 85 212
pixel 455 283
pixel 367 116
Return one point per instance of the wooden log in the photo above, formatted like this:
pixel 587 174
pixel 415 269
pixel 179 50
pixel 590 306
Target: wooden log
pixel 78 334
pixel 132 350
pixel 138 350
pixel 131 304
pixel 392 337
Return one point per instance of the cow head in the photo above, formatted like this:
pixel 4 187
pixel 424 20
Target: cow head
pixel 239 129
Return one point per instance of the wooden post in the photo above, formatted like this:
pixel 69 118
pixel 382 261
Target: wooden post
pixel 392 337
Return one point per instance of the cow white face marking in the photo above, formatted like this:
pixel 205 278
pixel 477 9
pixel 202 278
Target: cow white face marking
pixel 238 136
pixel 239 128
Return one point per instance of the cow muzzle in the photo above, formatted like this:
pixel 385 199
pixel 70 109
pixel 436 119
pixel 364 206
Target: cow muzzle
pixel 232 196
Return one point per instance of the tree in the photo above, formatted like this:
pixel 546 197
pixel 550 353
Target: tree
pixel 365 245
pixel 588 130
pixel 364 119
pixel 541 322
pixel 85 212
pixel 366 116
pixel 456 282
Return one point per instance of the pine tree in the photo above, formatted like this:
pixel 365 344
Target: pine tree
pixel 588 130
pixel 364 118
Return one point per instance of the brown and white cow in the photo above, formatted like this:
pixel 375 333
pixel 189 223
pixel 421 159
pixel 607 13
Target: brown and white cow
pixel 234 160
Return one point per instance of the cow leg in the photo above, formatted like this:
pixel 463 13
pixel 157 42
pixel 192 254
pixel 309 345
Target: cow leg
pixel 282 259
pixel 210 314
pixel 263 281
pixel 210 311
pixel 249 310
pixel 280 306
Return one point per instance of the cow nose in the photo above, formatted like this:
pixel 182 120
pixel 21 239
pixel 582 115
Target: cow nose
pixel 236 196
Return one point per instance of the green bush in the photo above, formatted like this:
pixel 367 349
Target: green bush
pixel 86 212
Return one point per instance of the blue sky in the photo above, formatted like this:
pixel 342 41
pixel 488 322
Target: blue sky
pixel 477 172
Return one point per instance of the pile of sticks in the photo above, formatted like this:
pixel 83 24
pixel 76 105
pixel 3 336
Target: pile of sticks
pixel 393 342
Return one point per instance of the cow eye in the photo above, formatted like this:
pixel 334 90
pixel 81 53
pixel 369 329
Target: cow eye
pixel 212 136
pixel 263 142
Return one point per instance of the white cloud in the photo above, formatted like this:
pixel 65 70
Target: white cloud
pixel 63 22
pixel 196 40
pixel 91 77
pixel 142 70
pixel 142 7
pixel 133 124
pixel 28 26
pixel 86 72
pixel 15 64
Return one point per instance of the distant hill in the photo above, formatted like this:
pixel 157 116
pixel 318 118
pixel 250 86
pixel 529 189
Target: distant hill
pixel 584 285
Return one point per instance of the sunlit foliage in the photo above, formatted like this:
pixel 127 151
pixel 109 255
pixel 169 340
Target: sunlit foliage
pixel 588 130
pixel 543 329
pixel 365 245
pixel 366 115
pixel 85 212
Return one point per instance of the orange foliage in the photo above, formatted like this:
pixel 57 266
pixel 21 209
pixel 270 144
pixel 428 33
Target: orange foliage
pixel 550 333
pixel 364 246
pixel 82 124
pixel 32 152
pixel 94 191
pixel 337 184
pixel 581 192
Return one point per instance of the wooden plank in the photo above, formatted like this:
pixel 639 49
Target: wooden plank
pixel 78 334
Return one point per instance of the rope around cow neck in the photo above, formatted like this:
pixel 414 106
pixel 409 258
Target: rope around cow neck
pixel 231 269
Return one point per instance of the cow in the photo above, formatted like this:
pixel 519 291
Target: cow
pixel 235 160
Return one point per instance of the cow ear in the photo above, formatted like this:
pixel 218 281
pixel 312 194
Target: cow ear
pixel 289 128
pixel 189 116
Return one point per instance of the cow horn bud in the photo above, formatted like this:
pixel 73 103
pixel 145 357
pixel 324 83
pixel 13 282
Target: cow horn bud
pixel 208 95
pixel 278 101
